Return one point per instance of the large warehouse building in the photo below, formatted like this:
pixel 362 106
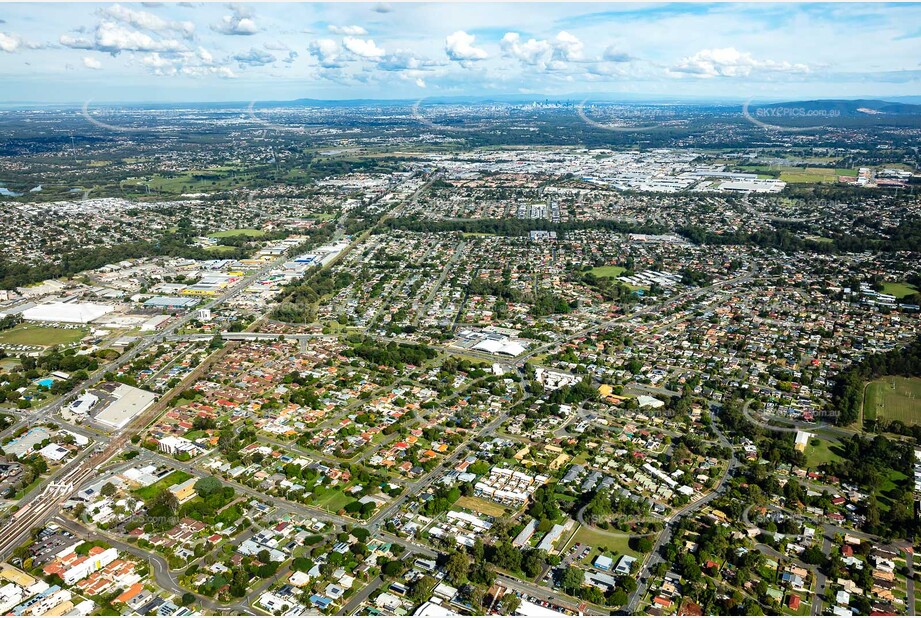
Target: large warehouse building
pixel 124 403
pixel 72 313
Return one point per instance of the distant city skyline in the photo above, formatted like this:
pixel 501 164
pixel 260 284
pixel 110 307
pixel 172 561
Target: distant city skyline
pixel 194 52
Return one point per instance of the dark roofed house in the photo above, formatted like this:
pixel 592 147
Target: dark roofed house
pixel 690 608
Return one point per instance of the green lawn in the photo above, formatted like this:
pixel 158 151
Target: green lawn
pixel 29 334
pixel 899 290
pixel 220 249
pixel 607 271
pixel 808 175
pixel 893 398
pixel 598 540
pixel 825 452
pixel 893 480
pixel 239 232
pixel 22 492
pixel 219 178
pixel 333 501
pixel 176 476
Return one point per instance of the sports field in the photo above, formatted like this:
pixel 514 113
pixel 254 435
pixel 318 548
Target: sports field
pixel 809 175
pixel 899 290
pixel 241 232
pixel 607 271
pixel 893 398
pixel 28 334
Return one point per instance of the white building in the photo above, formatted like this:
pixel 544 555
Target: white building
pixel 73 313
pixel 173 445
pixel 83 405
pixel 89 565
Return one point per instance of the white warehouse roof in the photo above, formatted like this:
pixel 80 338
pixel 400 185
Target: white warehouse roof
pixel 76 313
pixel 503 346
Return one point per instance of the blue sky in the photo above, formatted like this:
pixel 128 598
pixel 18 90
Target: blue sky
pixel 153 51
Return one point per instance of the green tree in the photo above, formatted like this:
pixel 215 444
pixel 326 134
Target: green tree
pixel 572 579
pixel 457 567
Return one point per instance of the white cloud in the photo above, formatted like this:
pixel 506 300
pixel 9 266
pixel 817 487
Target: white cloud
pixel 254 57
pixel 205 56
pixel 157 62
pixel 613 54
pixel 568 47
pixel 459 47
pixel 9 42
pixel 326 51
pixel 13 42
pixel 91 63
pixel 420 82
pixel 240 22
pixel 148 21
pixel 348 30
pixel 729 62
pixel 113 38
pixel 403 60
pixel 364 48
pixel 533 52
pixel 189 64
pixel 543 54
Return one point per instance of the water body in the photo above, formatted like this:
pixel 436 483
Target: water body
pixel 7 193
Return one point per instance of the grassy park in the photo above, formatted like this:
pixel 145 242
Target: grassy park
pixel 899 290
pixel 253 233
pixel 893 398
pixel 30 334
pixel 607 271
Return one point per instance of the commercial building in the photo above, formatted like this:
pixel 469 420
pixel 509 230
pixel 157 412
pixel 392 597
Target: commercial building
pixel 71 313
pixel 83 405
pixel 758 185
pixel 184 491
pixel 154 323
pixel 172 445
pixel 128 403
pixel 505 347
pixel 170 303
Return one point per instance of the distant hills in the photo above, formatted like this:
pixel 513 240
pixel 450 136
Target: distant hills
pixel 843 108
pixel 866 108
